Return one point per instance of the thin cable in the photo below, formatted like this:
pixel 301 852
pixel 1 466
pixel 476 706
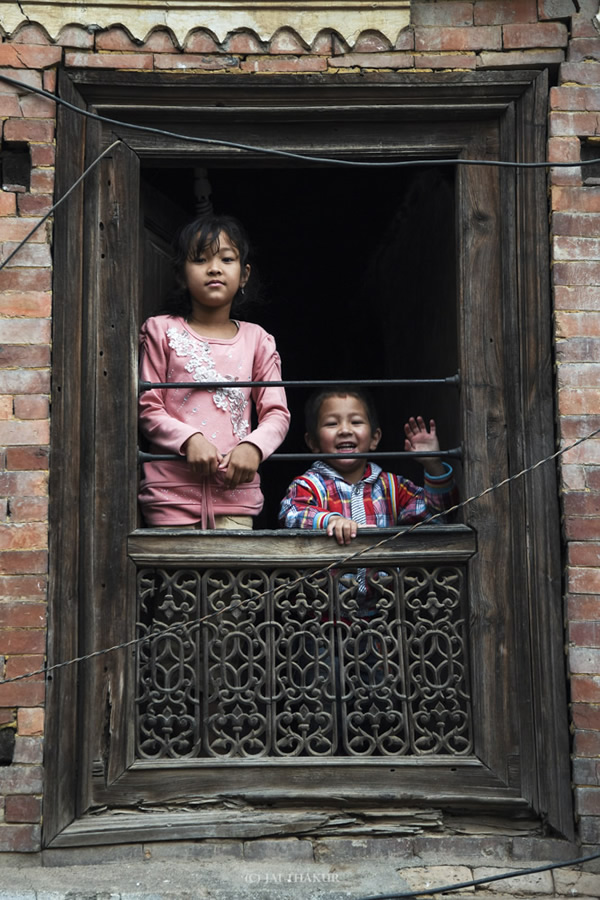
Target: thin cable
pixel 58 202
pixel 172 629
pixel 446 888
pixel 289 154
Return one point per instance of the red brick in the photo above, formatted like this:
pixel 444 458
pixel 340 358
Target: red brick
pixel 202 42
pixel 373 42
pixel 160 41
pixel 544 34
pixel 32 255
pixel 575 98
pixel 586 716
pixel 581 503
pixel 286 40
pixel 390 60
pixel 32 381
pixel 584 49
pixel 15 279
pixel 31 536
pixel 483 38
pixel 571 401
pixel 31 34
pixel 285 64
pixel 24 77
pixel 19 838
pixel 575 324
pixel 23 562
pixel 564 149
pixel 573 200
pixel 576 248
pixel 28 640
pixel 22 693
pixel 42 181
pixel 511 59
pixel 500 12
pixel 576 297
pixel 184 62
pixel 25 331
pixel 34 204
pixel 580 375
pixel 49 80
pixel 580 72
pixel 17 229
pixel 75 36
pixel 454 13
pixel 34 304
pixel 243 42
pixel 30 721
pixel 578 349
pixel 22 808
pixel 28 56
pixel 23 483
pixel 585 689
pixel 35 107
pixel 323 44
pixel 587 801
pixel 117 39
pixel 17 666
pixel 578 529
pixel 34 407
pixel 15 614
pixel 7 716
pixel 28 509
pixel 28 129
pixel 583 581
pixel 8 203
pixel 6 407
pixel 581 124
pixel 405 40
pixel 42 154
pixel 16 587
pixel 575 224
pixel 30 432
pixel 82 60
pixel 584 553
pixel 445 61
pixel 585 634
pixel 23 458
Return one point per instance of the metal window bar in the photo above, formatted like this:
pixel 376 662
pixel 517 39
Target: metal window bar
pixel 451 381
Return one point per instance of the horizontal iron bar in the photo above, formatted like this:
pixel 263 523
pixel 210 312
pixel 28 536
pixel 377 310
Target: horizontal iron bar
pixel 453 380
pixel 455 453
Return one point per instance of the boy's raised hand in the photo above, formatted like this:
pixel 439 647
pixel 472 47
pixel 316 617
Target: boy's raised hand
pixel 421 439
pixel 342 529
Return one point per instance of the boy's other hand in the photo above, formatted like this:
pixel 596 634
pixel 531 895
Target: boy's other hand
pixel 342 529
pixel 240 464
pixel 202 456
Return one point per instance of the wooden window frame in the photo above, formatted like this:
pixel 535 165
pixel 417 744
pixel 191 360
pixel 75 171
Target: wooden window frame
pixel 507 421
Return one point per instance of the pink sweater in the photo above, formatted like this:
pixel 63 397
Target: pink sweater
pixel 170 494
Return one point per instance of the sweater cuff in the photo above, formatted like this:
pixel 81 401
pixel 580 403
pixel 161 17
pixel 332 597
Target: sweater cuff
pixel 322 519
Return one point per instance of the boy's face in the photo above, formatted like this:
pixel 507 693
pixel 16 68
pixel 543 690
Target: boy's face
pixel 343 427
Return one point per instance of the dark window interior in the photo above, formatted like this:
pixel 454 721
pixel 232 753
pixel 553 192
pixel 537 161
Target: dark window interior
pixel 358 275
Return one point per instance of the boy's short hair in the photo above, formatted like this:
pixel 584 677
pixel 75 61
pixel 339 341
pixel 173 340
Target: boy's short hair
pixel 313 405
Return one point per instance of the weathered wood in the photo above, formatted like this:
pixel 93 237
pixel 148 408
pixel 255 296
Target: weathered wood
pixel 64 487
pixel 290 547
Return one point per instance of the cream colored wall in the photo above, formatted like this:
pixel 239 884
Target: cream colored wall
pixel 306 17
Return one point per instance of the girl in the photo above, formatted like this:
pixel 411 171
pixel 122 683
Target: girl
pixel 216 482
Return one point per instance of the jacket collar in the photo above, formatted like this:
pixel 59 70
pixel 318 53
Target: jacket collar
pixel 372 472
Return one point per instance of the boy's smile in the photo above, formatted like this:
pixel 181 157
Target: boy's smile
pixel 343 427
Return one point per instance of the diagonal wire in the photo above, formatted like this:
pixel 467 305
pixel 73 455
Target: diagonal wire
pixel 58 202
pixel 172 629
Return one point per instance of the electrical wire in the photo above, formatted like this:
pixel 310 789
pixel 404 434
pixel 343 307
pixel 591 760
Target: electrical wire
pixel 290 154
pixel 446 888
pixel 69 191
pixel 342 561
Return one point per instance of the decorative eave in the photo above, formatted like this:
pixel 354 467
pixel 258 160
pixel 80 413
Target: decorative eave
pixel 264 17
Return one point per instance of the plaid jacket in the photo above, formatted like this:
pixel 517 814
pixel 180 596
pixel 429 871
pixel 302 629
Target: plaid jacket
pixel 379 498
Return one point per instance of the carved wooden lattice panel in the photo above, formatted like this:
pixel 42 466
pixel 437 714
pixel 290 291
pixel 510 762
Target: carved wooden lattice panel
pixel 253 663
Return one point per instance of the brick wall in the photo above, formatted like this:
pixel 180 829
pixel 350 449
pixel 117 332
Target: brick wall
pixel 449 34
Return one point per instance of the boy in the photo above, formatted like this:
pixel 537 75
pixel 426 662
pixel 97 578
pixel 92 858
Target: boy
pixel 342 494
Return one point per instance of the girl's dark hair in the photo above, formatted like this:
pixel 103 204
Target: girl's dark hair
pixel 188 245
pixel 313 405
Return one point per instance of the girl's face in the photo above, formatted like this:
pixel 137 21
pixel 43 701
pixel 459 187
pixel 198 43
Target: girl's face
pixel 215 276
